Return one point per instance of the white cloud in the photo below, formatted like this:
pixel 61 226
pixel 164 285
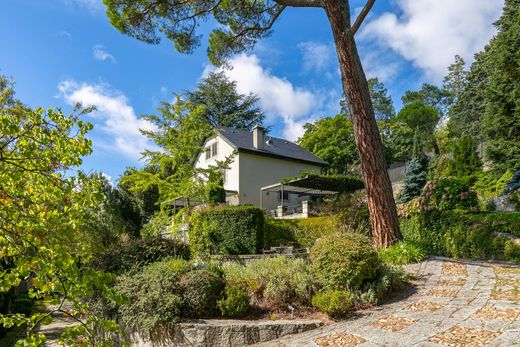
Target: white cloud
pixel 278 97
pixel 316 56
pixel 100 53
pixel 113 110
pixel 430 33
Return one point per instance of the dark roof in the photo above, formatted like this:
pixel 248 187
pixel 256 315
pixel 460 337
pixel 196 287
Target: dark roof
pixel 242 140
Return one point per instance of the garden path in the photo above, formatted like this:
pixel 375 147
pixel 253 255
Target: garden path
pixel 452 303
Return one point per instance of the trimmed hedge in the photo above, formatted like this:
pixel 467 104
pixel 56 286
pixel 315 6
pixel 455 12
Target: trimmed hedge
pixel 462 234
pixel 137 253
pixel 227 230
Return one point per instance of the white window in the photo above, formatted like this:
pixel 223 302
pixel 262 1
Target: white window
pixel 211 151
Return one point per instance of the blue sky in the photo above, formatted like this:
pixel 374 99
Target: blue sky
pixel 64 51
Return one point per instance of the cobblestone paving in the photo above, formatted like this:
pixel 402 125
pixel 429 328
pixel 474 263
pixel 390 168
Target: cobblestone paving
pixel 453 303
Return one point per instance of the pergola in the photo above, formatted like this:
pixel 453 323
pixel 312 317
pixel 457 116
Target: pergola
pixel 316 186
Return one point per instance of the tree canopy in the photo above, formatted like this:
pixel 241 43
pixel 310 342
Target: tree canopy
pixel 332 139
pixel 42 204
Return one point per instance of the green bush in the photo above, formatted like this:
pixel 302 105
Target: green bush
pixel 344 261
pixel 465 160
pixel 472 241
pixel 402 253
pixel 447 194
pixel 154 298
pixel 235 302
pixel 227 230
pixel 426 231
pixel 512 251
pixel 137 253
pixel 296 232
pixel 387 280
pixel 275 281
pixel 201 289
pixel 335 303
pixel 462 234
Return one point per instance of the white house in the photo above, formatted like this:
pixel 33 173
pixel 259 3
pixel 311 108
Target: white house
pixel 259 161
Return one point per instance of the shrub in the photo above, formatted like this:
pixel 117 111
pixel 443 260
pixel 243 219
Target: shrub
pixel 335 303
pixel 344 261
pixel 227 230
pixel 388 279
pixel 274 281
pixel 349 211
pixel 137 253
pixel 402 253
pixel 447 194
pixel 409 208
pixel 201 289
pixel 296 232
pixel 154 298
pixel 512 251
pixel 462 234
pixel 426 231
pixel 472 241
pixel 465 160
pixel 235 302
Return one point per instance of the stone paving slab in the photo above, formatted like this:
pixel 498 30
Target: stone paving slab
pixel 453 303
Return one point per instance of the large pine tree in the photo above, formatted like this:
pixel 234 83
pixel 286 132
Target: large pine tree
pixel 501 122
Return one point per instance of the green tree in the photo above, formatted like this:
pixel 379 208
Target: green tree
pixel 332 139
pixel 240 24
pixel 465 160
pixel 382 102
pixel 467 110
pixel 501 122
pixel 223 105
pixel 414 181
pixel 422 120
pixel 42 203
pixel 429 95
pixel 456 79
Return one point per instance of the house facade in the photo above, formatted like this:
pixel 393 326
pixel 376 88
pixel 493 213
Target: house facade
pixel 257 160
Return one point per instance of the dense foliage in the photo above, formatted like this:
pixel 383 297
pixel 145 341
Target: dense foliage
pixel 402 253
pixel 344 261
pixel 42 207
pixel 274 282
pixel 332 139
pixel 136 253
pixel 227 230
pixel 335 303
pixel 462 234
pixel 448 194
pixel 154 296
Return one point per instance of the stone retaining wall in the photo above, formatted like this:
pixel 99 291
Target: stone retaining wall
pixel 222 333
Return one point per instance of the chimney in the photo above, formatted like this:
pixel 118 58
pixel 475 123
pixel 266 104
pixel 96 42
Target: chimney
pixel 258 137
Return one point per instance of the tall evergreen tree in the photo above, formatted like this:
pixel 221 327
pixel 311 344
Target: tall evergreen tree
pixel 467 110
pixel 455 80
pixel 501 123
pixel 465 160
pixel 383 104
pixel 223 105
pixel 414 181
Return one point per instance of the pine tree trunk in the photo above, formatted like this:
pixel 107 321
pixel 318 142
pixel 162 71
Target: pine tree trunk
pixel 381 203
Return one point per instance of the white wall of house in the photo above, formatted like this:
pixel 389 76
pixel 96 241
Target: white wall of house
pixel 231 175
pixel 257 171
